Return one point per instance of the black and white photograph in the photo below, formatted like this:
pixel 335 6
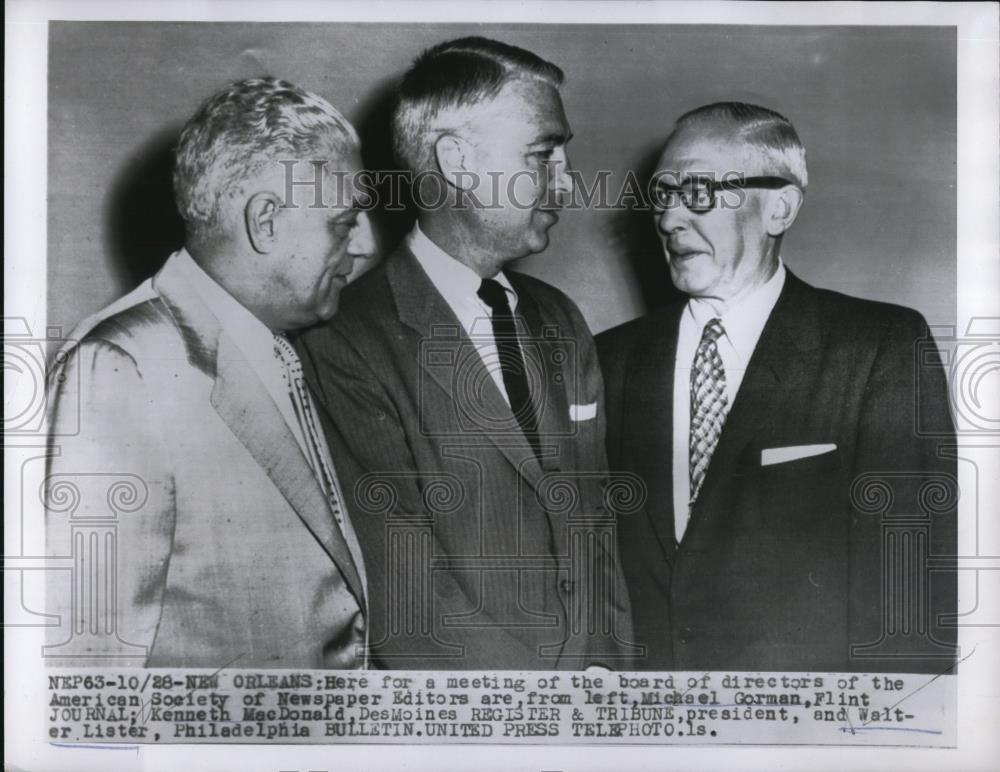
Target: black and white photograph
pixel 534 385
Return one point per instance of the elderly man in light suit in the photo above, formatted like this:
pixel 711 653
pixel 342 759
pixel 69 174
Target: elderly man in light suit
pixel 446 372
pixel 766 418
pixel 242 552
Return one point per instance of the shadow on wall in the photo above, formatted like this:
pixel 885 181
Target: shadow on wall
pixel 394 215
pixel 634 229
pixel 142 226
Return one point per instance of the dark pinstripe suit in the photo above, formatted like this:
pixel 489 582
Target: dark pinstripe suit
pixel 520 551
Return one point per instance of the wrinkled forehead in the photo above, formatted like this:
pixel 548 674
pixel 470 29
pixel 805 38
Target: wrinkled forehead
pixel 711 151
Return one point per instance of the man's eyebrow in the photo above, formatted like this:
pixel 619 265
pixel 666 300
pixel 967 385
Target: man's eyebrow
pixel 672 182
pixel 670 179
pixel 554 138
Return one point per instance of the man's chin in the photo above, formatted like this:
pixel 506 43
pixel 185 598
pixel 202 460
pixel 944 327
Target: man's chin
pixel 687 278
pixel 538 240
pixel 535 249
pixel 327 309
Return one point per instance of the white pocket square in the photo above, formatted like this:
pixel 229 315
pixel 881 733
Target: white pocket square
pixel 583 412
pixel 770 456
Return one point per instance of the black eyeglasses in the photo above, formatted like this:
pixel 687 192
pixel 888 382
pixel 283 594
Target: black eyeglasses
pixel 700 194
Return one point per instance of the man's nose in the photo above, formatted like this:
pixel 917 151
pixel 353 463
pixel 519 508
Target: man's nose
pixel 362 243
pixel 671 218
pixel 560 178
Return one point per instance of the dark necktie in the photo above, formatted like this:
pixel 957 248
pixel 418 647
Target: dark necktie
pixel 515 377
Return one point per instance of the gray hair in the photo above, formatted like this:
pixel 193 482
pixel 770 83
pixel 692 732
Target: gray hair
pixel 768 133
pixel 448 79
pixel 240 130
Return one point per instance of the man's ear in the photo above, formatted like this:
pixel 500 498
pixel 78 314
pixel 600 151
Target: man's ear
pixel 784 208
pixel 454 159
pixel 259 216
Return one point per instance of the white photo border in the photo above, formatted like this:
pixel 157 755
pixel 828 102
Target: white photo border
pixel 978 273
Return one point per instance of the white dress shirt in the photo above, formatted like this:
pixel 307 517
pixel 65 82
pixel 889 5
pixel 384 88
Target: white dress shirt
pixel 459 286
pixel 256 341
pixel 743 323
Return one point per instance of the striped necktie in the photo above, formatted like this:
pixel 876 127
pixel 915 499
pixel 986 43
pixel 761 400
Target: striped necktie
pixel 302 404
pixel 709 404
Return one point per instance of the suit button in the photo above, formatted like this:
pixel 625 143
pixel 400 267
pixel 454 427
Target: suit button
pixel 566 586
pixel 685 635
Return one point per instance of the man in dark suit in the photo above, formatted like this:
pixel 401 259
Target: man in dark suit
pixel 230 542
pixel 794 518
pixel 472 396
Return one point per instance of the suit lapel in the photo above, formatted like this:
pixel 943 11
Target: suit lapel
pixel 789 350
pixel 243 402
pixel 649 417
pixel 255 420
pixel 449 358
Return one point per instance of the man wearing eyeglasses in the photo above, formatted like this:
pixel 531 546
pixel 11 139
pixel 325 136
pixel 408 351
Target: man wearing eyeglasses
pixel 787 523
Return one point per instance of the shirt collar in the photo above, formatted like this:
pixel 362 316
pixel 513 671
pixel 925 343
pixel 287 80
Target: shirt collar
pixel 252 336
pixel 744 321
pixel 456 282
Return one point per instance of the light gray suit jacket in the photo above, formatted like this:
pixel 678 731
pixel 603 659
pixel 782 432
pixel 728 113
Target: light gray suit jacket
pixel 223 549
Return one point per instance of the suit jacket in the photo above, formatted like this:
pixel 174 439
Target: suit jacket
pixel 227 551
pixel 781 566
pixel 478 554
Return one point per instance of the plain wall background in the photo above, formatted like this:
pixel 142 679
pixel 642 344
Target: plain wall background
pixel 875 107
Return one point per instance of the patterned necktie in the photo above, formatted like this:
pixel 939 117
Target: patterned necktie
pixel 515 377
pixel 709 404
pixel 302 404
